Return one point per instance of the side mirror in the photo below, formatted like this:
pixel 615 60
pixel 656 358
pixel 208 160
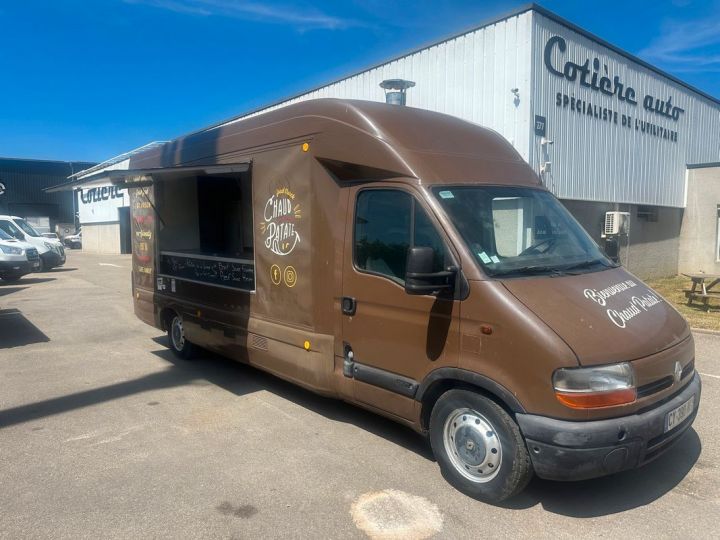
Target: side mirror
pixel 419 277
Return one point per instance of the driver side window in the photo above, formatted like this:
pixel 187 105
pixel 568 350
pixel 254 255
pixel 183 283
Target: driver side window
pixel 387 223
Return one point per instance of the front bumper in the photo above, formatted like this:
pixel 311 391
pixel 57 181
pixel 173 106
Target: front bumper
pixel 564 450
pixel 52 258
pixel 16 268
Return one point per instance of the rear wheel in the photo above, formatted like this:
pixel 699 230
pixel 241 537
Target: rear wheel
pixel 478 446
pixel 178 342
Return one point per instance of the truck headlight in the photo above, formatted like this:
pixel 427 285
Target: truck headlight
pixel 597 386
pixel 11 250
pixel 49 246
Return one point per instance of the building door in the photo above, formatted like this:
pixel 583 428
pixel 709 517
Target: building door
pixel 396 338
pixel 125 234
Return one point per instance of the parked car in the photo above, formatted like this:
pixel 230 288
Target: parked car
pixel 16 258
pixel 73 241
pixel 51 251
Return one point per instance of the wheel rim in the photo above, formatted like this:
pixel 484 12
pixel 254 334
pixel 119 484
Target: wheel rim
pixel 473 445
pixel 177 334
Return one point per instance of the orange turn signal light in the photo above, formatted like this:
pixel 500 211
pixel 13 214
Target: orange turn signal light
pixel 595 400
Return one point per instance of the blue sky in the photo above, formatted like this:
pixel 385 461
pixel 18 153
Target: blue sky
pixel 87 80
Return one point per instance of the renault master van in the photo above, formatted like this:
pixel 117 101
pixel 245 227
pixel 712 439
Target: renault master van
pixel 16 258
pixel 52 253
pixel 413 264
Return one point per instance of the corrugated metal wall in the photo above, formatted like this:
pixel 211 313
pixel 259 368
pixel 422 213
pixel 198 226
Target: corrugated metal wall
pixel 597 160
pixel 470 76
pixel 25 180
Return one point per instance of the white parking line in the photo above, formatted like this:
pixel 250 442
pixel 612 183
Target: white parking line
pixel 708 375
pixel 110 264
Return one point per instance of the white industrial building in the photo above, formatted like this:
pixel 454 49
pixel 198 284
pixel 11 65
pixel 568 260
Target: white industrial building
pixel 104 210
pixel 606 131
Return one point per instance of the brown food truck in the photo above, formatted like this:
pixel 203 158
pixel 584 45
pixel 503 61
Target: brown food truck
pixel 413 264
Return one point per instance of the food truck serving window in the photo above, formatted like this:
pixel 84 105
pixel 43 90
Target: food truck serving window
pixel 206 232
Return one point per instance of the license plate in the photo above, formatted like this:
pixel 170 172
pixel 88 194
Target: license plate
pixel 36 265
pixel 676 416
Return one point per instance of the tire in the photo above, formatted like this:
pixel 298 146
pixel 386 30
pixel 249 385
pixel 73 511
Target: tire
pixel 479 447
pixel 179 345
pixel 11 278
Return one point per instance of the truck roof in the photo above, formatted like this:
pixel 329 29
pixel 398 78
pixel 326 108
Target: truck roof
pixel 357 140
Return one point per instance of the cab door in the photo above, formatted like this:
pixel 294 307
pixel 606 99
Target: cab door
pixel 392 339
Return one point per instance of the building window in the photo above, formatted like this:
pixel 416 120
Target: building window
pixel 647 213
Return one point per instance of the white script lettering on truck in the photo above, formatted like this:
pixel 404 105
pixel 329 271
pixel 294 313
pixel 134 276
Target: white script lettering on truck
pixel 622 315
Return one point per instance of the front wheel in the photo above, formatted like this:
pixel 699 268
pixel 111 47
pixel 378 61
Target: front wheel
pixel 178 343
pixel 478 446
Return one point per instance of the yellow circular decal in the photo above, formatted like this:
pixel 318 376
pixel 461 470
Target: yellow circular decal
pixel 275 274
pixel 290 276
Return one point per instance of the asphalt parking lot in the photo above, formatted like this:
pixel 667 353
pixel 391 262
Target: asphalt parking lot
pixel 104 434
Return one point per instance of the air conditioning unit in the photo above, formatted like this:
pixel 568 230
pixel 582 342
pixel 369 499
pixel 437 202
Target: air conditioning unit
pixel 616 223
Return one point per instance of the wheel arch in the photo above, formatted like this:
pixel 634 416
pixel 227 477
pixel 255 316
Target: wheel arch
pixel 166 314
pixel 437 382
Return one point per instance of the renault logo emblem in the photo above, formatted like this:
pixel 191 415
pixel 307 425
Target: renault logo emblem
pixel 678 372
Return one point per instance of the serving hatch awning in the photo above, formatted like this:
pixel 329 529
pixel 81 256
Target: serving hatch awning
pixel 134 178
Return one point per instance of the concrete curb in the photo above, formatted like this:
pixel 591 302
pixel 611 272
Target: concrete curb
pixel 704 331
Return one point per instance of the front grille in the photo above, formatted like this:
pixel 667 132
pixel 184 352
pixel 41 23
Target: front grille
pixel 32 254
pixel 687 370
pixel 655 386
pixel 666 382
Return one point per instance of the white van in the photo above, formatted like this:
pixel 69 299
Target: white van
pixel 16 258
pixel 51 251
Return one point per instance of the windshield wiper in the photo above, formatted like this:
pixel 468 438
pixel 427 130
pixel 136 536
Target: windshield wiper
pixel 585 264
pixel 532 269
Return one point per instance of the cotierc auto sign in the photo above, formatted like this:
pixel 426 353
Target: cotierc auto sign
pixel 596 77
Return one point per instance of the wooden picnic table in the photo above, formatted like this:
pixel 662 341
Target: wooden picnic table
pixel 702 285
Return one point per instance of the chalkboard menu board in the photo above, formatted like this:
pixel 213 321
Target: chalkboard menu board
pixel 238 274
pixel 143 236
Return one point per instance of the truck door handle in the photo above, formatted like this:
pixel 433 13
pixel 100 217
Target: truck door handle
pixel 349 305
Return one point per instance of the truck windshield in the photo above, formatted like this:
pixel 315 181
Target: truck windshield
pixel 25 226
pixel 520 231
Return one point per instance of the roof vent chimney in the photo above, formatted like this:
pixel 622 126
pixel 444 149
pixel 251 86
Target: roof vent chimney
pixel 395 90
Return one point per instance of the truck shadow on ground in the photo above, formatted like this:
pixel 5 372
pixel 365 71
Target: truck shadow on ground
pixel 616 493
pixel 590 498
pixel 241 379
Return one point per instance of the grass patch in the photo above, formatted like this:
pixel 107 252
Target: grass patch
pixel 671 288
